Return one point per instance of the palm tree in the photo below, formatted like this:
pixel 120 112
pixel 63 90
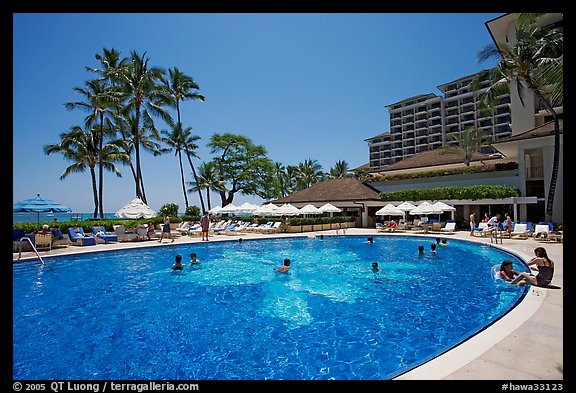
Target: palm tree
pixel 140 84
pixel 470 141
pixel 174 139
pixel 534 61
pixel 339 171
pixel 209 180
pixel 81 148
pixel 148 141
pixel 291 179
pixel 180 87
pixel 99 100
pixel 309 173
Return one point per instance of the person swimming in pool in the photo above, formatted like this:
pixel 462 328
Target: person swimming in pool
pixel 433 247
pixel 421 250
pixel 193 259
pixel 178 265
pixel 284 268
pixel 375 267
pixel 369 240
pixel 507 271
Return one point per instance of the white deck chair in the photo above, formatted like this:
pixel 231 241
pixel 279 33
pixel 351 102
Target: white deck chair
pixel 520 231
pixel 541 232
pixel 450 227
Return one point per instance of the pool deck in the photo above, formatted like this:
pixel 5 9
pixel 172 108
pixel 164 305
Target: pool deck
pixel 526 344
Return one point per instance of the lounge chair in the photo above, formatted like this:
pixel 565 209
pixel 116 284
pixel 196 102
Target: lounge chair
pixel 520 231
pixel 450 227
pixel 228 228
pixel 43 241
pixel 123 236
pixel 528 226
pixel 58 239
pixel 183 228
pixel 482 229
pixel 550 225
pixel 18 234
pixel 436 226
pixel 275 228
pixel 100 232
pixel 238 230
pixel 219 225
pixel 79 238
pixel 541 232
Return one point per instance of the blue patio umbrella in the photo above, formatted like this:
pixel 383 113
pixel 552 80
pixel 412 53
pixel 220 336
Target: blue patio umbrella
pixel 39 205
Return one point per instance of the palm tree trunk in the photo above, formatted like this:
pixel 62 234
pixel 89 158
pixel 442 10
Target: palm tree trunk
pixel 137 153
pixel 195 178
pixel 556 159
pixel 94 191
pixel 101 169
pixel 182 177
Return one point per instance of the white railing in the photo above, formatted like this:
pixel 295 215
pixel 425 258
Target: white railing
pixel 31 245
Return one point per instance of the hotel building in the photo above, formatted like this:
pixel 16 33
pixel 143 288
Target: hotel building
pixel 428 121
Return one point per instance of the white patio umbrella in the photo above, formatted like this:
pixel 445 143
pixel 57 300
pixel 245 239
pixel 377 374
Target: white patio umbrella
pixel 228 209
pixel 330 208
pixel 390 210
pixel 266 210
pixel 424 209
pixel 247 208
pixel 288 210
pixel 444 207
pixel 310 209
pixel 406 207
pixel 215 209
pixel 135 209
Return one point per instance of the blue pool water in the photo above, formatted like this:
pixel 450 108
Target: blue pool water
pixel 127 315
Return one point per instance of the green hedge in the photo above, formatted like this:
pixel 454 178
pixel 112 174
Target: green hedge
pixel 502 166
pixel 87 224
pixel 465 192
pixel 319 220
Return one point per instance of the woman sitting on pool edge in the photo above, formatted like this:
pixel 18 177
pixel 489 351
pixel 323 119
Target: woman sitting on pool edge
pixel 545 270
pixel 284 268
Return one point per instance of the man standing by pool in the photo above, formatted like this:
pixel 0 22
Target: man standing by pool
pixel 205 224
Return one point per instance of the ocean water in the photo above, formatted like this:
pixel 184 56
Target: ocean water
pixel 20 218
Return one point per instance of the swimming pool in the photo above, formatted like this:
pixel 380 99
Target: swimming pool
pixel 127 315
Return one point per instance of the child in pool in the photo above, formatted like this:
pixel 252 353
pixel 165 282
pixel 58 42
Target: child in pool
pixel 193 259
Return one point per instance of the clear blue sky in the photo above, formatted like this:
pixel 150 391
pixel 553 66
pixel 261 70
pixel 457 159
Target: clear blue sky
pixel 302 85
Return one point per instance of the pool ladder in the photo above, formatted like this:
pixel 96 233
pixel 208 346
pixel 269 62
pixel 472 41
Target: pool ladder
pixel 31 245
pixel 495 235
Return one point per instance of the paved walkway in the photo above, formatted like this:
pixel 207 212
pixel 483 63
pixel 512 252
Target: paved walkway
pixel 526 344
